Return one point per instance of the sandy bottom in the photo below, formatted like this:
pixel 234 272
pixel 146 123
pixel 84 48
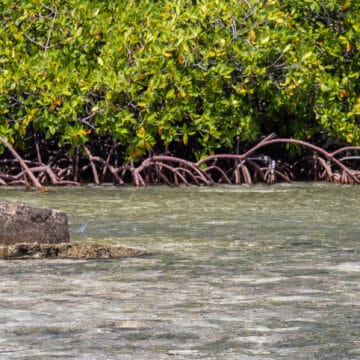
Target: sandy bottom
pixel 66 251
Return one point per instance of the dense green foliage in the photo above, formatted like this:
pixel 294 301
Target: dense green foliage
pixel 200 74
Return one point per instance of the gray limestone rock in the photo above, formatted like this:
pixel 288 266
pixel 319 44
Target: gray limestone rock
pixel 26 224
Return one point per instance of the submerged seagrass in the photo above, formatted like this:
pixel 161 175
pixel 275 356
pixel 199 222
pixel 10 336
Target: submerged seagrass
pixel 27 224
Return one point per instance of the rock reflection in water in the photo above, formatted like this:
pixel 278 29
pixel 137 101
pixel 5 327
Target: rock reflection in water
pixel 236 273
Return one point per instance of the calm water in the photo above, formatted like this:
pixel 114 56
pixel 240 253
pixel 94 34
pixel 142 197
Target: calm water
pixel 235 273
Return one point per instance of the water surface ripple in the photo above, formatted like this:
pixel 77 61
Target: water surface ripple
pixel 236 273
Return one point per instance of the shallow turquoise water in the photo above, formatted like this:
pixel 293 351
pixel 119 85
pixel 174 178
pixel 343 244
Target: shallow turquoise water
pixel 235 273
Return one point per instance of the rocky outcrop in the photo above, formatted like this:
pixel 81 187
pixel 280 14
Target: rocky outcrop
pixel 26 224
pixel 66 251
pixel 36 233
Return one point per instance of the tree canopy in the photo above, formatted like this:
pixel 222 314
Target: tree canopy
pixel 199 75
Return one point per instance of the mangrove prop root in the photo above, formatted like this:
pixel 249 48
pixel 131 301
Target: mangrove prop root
pixel 24 167
pixel 60 168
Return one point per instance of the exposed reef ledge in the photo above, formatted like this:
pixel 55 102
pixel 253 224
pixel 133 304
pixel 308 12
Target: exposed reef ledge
pixel 65 251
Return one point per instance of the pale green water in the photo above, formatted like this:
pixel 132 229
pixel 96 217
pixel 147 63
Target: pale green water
pixel 236 273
